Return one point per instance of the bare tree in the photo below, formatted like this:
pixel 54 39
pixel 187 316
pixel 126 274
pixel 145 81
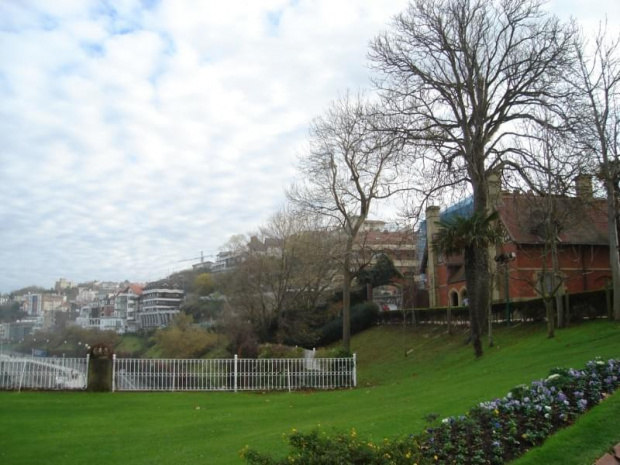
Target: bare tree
pixel 598 114
pixel 350 165
pixel 551 163
pixel 459 74
pixel 284 272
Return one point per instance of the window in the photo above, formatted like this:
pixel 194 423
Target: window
pixel 454 298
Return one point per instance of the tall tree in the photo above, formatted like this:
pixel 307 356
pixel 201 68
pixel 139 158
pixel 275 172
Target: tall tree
pixel 598 127
pixel 459 74
pixel 350 165
pixel 467 235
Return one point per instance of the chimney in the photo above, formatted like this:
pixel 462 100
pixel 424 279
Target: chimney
pixel 432 217
pixel 494 186
pixel 583 186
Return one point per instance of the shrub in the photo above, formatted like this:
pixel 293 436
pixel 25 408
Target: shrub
pixel 279 351
pixel 185 342
pixel 491 433
pixel 363 316
pixel 317 447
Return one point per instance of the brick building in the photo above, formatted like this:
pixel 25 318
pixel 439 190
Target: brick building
pixel 583 251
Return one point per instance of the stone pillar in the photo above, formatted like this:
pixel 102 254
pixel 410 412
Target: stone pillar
pixel 100 369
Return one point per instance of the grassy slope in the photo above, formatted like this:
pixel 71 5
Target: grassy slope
pixel 131 343
pixel 440 375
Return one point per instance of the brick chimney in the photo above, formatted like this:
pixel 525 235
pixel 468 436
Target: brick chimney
pixel 432 217
pixel 583 186
pixel 495 188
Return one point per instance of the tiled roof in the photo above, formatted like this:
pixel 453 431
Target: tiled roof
pixel 581 223
pixel 136 288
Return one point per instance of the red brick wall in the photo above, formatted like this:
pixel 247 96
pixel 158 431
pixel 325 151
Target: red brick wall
pixel 585 269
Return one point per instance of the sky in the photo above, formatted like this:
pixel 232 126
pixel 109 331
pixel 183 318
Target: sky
pixel 136 134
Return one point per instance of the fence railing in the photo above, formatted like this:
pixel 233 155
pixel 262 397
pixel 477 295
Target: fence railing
pixel 24 372
pixel 130 374
pixel 238 374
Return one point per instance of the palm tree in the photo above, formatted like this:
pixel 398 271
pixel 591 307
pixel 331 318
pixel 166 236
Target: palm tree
pixel 466 234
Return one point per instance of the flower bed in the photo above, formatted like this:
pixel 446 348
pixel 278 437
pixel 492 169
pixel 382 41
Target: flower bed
pixel 494 432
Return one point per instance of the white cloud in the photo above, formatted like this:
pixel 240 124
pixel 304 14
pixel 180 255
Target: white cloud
pixel 138 133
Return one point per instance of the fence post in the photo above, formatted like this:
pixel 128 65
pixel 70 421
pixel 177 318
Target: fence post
pixel 236 361
pixel 174 374
pixel 87 363
pixel 289 374
pixel 21 379
pixel 354 370
pixel 113 372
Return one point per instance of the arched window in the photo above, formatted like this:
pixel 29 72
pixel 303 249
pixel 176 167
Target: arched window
pixel 454 298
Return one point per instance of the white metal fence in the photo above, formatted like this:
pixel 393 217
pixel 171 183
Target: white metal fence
pixel 24 372
pixel 130 374
pixel 238 374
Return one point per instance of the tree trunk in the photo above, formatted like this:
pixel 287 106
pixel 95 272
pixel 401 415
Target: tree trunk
pixel 614 247
pixel 556 273
pixel 477 270
pixel 550 316
pixel 346 297
pixel 476 277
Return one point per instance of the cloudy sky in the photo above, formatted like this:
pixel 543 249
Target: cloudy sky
pixel 135 134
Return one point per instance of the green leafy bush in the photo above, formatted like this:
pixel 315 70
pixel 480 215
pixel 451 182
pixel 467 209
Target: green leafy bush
pixel 319 448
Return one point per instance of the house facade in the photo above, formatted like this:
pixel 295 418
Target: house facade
pixel 126 305
pixel 523 262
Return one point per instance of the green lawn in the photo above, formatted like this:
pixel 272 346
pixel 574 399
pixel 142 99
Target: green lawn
pixel 395 392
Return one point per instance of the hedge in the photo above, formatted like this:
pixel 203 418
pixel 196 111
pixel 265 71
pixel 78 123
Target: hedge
pixel 590 305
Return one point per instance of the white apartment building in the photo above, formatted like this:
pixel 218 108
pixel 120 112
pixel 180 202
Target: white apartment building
pixel 126 305
pixel 104 323
pixel 160 303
